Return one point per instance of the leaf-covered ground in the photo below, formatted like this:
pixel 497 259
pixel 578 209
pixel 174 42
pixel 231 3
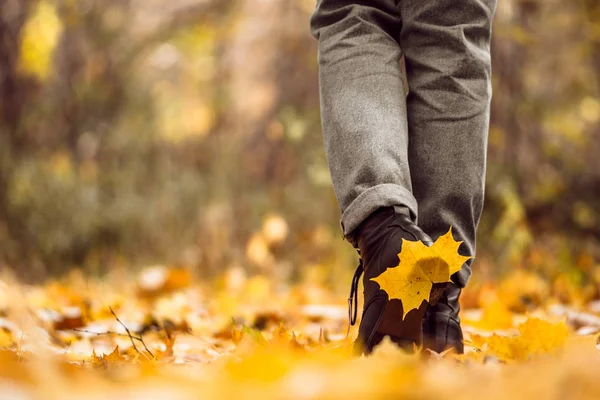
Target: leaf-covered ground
pixel 168 335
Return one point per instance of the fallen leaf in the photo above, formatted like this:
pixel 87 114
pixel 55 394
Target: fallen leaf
pixel 536 336
pixel 6 339
pixel 97 361
pixel 169 342
pixel 114 358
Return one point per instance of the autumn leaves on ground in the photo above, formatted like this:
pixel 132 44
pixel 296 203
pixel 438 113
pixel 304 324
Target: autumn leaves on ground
pixel 166 333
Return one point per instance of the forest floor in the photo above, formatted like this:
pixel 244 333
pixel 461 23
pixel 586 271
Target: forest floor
pixel 166 334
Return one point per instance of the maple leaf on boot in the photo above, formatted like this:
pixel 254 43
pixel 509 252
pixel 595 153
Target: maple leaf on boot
pixel 405 272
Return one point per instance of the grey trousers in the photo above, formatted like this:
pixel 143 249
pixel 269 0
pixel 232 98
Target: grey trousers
pixel 425 152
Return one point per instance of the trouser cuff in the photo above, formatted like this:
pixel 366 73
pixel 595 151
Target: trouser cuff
pixel 384 195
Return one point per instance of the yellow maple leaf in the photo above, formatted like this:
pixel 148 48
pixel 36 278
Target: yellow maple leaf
pixel 419 268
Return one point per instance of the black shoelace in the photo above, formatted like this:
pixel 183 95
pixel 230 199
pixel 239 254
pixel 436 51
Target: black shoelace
pixel 353 299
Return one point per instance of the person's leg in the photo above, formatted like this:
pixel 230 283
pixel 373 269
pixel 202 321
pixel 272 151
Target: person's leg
pixel 363 111
pixel 363 106
pixel 446 44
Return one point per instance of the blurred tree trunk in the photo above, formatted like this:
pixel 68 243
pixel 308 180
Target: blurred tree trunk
pixel 591 11
pixel 267 71
pixel 252 60
pixel 14 92
pixel 13 15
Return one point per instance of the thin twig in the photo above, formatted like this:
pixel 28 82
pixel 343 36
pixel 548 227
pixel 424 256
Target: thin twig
pixel 146 347
pixel 126 329
pixel 130 336
pixel 106 333
pixel 139 339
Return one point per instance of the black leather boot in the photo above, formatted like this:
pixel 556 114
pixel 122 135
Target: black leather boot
pixel 441 324
pixel 379 240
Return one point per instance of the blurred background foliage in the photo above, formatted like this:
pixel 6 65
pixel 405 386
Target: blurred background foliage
pixel 187 132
